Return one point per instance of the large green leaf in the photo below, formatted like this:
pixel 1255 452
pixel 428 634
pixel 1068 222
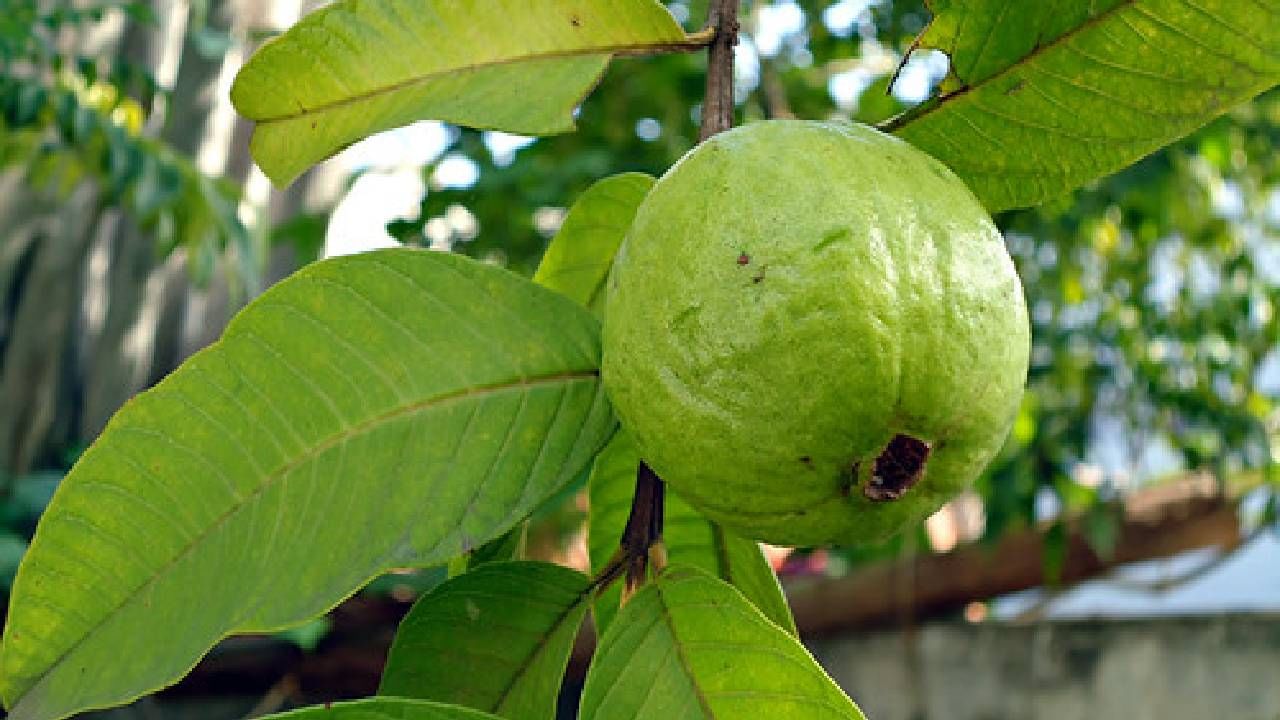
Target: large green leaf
pixel 497 639
pixel 383 410
pixel 383 709
pixel 355 68
pixel 689 537
pixel 578 260
pixel 691 646
pixel 1044 97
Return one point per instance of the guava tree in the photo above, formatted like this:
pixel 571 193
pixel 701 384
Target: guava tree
pixel 407 408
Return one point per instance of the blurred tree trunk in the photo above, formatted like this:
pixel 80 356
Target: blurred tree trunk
pixel 16 212
pixel 40 339
pixel 116 371
pixel 128 263
pixel 42 276
pixel 130 320
pixel 195 317
pixel 207 310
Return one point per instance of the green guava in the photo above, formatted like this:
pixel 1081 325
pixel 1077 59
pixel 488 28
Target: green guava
pixel 814 333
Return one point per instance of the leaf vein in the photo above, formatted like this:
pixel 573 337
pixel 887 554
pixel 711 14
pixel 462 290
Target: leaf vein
pixel 312 452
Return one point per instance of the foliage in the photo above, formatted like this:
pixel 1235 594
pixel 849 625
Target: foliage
pixel 1155 220
pixel 1056 98
pixel 27 27
pixel 1152 300
pixel 690 646
pixel 555 50
pixel 268 433
pixel 496 638
pixel 384 709
pixel 67 119
pixel 403 408
pixel 578 262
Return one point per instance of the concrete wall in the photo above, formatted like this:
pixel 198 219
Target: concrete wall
pixel 1215 668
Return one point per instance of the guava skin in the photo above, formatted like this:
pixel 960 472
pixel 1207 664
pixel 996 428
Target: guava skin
pixel 814 333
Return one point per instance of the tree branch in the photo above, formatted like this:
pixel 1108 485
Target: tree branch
pixel 717 107
pixel 1156 524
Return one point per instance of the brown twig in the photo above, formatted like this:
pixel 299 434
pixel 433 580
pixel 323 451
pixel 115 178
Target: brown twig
pixel 644 528
pixel 717 106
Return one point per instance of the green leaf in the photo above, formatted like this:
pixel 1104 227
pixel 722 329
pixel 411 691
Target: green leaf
pixel 497 638
pixel 1045 97
pixel 382 709
pixel 507 547
pixel 689 537
pixel 691 646
pixel 578 260
pixel 377 411
pixel 353 69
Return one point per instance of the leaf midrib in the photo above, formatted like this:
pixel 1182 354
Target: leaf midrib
pixel 908 117
pixel 540 646
pixel 426 78
pixel 679 648
pixel 310 454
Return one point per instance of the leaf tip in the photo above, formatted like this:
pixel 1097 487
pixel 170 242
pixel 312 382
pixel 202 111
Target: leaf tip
pixel 275 162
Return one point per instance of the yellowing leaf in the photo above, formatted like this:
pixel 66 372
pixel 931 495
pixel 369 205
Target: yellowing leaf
pixel 356 68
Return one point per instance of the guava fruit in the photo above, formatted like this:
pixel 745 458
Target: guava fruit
pixel 814 333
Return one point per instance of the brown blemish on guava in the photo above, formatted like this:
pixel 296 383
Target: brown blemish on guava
pixel 806 461
pixel 574 21
pixel 898 468
pixel 744 259
pixel 759 277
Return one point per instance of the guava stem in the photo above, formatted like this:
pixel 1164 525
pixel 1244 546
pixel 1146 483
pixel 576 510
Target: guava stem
pixel 717 106
pixel 644 525
pixel 641 545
